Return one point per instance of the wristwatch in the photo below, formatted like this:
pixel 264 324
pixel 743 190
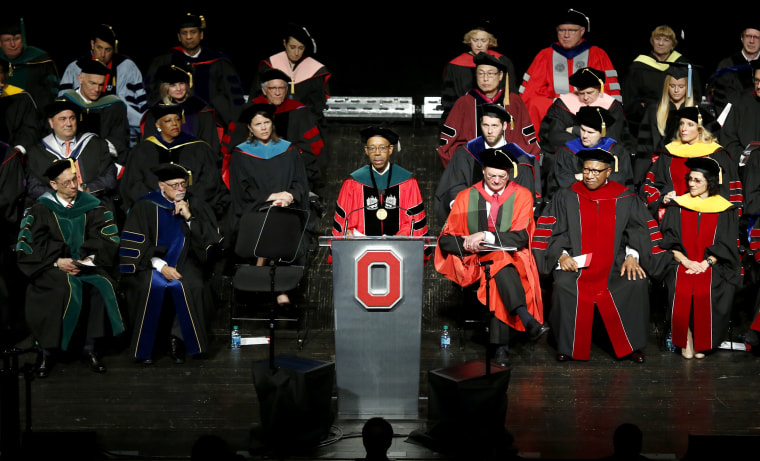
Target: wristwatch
pixel 710 261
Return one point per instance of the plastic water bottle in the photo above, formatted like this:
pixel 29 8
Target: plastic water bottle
pixel 669 341
pixel 235 338
pixel 445 338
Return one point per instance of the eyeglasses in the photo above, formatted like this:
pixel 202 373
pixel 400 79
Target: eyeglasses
pixel 496 176
pixel 373 149
pixel 752 37
pixel 177 185
pixel 593 172
pixel 70 182
pixel 568 31
pixel 490 75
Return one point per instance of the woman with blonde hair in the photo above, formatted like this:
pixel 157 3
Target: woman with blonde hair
pixel 459 73
pixel 664 180
pixel 643 85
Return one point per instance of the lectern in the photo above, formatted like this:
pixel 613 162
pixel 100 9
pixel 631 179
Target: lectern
pixel 377 297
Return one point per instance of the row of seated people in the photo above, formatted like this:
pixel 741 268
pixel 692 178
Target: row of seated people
pixel 603 252
pixel 114 96
pixel 547 77
pixel 167 222
pixel 648 211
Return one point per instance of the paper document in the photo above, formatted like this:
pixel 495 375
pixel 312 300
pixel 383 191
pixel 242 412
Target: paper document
pixel 582 261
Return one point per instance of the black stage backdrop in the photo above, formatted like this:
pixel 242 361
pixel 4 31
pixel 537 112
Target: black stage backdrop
pixel 380 49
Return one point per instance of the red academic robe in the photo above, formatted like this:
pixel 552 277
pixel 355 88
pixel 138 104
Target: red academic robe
pixel 515 214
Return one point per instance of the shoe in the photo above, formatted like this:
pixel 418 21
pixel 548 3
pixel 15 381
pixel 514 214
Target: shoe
pixel 699 355
pixel 95 363
pixel 43 370
pixel 638 357
pixel 563 357
pixel 177 350
pixel 688 351
pixel 146 361
pixel 502 356
pixel 536 330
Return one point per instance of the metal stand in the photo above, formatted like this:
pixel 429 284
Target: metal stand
pixel 487 268
pixel 10 417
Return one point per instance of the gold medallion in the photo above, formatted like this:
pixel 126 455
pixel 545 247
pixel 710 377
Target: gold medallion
pixel 382 214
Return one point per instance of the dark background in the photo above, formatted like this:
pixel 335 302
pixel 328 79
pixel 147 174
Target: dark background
pixel 372 49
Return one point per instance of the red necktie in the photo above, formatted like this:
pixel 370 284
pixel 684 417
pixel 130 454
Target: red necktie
pixel 493 212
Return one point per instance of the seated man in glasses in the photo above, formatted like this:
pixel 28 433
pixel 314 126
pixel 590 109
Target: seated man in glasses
pixel 169 237
pixel 66 247
pixel 595 238
pixel 380 198
pixel 487 231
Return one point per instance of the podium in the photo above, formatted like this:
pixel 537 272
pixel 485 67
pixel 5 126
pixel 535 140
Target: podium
pixel 377 298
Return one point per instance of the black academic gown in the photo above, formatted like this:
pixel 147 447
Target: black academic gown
pixel 55 300
pixel 192 153
pixel 601 224
pixel 256 171
pixel 152 229
pixel 94 161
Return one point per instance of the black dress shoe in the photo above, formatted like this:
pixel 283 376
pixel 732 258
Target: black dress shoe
pixel 43 370
pixel 95 363
pixel 638 357
pixel 563 357
pixel 502 357
pixel 536 330
pixel 177 350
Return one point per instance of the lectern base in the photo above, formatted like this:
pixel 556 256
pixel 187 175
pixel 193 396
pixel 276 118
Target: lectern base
pixel 466 406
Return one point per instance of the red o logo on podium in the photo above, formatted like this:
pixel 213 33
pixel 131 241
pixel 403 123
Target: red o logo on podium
pixel 379 276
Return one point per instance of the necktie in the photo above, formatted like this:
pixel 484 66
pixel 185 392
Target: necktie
pixel 76 162
pixel 69 205
pixel 493 212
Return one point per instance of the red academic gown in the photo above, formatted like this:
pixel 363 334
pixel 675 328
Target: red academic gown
pixel 600 224
pixel 515 214
pixel 462 124
pixel 358 204
pixel 549 73
pixel 702 300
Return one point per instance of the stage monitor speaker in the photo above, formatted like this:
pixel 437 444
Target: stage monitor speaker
pixel 465 405
pixel 723 447
pixel 295 403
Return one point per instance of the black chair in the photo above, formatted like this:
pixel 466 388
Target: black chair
pixel 274 235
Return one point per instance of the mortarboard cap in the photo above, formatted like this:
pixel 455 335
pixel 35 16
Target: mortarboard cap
pixel 58 166
pixel 60 105
pixel 597 155
pixel 484 58
pixel 93 67
pixel 594 117
pixel 587 77
pixel 498 158
pixel 191 20
pixel 372 131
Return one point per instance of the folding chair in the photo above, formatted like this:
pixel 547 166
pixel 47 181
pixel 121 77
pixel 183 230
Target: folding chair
pixel 274 235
